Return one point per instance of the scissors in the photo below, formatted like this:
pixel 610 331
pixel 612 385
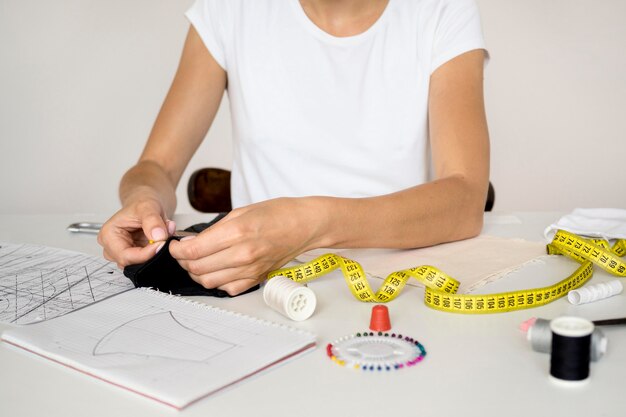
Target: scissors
pixel 85 227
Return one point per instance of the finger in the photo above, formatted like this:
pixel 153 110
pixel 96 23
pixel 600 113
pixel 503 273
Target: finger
pixel 239 286
pixel 117 236
pixel 171 227
pixel 229 258
pixel 110 258
pixel 225 276
pixel 212 240
pixel 153 224
pixel 190 248
pixel 107 256
pixel 115 242
pixel 136 255
pixel 214 279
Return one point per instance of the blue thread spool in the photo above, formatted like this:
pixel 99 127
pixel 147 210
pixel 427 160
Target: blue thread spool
pixel 571 350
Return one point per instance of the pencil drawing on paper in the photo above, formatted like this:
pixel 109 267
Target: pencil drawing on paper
pixel 162 335
pixel 165 347
pixel 39 283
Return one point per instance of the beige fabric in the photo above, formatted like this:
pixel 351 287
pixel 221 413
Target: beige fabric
pixel 473 262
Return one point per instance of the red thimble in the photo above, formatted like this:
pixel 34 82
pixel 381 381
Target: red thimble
pixel 380 319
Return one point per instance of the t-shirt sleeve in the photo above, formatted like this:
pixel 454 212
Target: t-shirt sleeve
pixel 207 16
pixel 458 30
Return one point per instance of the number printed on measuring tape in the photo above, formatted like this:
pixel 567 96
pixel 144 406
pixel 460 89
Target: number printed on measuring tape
pixel 441 289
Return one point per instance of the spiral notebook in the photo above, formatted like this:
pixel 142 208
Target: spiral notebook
pixel 163 347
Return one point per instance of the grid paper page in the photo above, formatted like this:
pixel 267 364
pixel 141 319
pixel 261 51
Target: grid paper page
pixel 39 282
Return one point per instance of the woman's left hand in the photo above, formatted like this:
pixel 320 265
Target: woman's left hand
pixel 240 250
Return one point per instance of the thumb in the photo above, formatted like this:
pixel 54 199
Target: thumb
pixel 154 226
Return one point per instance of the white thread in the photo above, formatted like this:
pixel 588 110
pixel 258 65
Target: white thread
pixel 595 292
pixel 289 298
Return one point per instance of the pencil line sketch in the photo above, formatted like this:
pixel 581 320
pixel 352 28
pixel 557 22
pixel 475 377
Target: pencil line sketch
pixel 165 347
pixel 167 338
pixel 39 283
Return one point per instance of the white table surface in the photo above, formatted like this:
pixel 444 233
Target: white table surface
pixel 476 365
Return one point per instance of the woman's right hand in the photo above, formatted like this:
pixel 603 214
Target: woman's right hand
pixel 124 237
pixel 148 190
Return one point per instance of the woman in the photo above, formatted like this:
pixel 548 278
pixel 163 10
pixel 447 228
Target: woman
pixel 357 123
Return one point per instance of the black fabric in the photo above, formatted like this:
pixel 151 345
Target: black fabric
pixel 164 273
pixel 199 227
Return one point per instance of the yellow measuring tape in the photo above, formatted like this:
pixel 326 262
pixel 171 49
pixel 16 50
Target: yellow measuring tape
pixel 440 291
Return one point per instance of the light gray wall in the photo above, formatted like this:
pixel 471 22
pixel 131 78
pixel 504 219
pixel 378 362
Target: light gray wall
pixel 556 102
pixel 81 82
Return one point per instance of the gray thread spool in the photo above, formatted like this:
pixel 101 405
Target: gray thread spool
pixel 540 337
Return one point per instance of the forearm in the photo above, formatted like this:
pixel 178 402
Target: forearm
pixel 148 181
pixel 441 211
pixel 182 123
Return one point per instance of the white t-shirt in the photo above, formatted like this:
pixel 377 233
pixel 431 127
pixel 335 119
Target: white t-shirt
pixel 315 114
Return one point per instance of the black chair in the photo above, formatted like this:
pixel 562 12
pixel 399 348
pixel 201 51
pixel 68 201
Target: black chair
pixel 208 191
pixel 491 197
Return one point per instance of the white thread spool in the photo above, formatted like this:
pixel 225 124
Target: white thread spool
pixel 289 298
pixel 595 292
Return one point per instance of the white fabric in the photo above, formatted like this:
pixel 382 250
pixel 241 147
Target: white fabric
pixel 605 223
pixel 473 262
pixel 315 114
